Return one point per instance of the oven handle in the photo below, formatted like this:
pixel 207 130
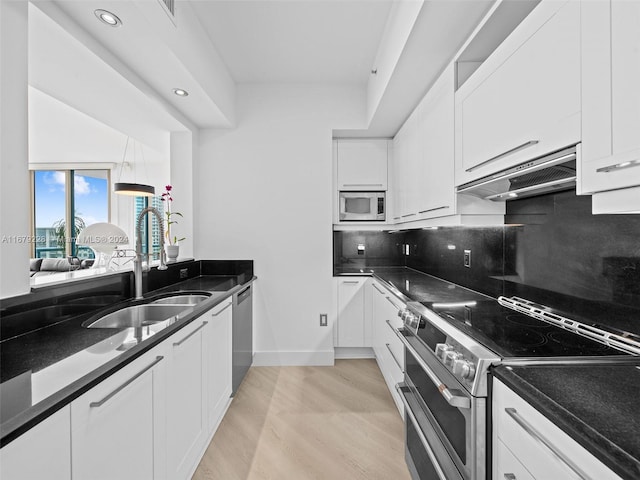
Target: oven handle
pixel 423 439
pixel 454 399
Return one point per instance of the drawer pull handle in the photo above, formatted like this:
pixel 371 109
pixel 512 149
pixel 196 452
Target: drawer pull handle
pixel 453 398
pixel 509 476
pixel 528 144
pixel 394 357
pixel 177 344
pixel 350 282
pixel 362 184
pixel 527 427
pixel 434 209
pixel 125 384
pixel 376 287
pixel 619 166
pixel 408 215
pixel 391 302
pixel 218 313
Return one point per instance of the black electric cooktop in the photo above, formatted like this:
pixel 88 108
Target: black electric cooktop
pixel 512 334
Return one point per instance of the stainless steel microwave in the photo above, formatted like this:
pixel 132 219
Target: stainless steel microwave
pixel 362 206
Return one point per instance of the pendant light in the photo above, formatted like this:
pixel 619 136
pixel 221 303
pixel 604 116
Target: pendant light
pixel 133 189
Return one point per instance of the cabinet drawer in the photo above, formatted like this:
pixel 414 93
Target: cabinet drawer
pixel 507 467
pixel 542 448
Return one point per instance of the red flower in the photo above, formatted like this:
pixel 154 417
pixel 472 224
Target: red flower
pixel 168 188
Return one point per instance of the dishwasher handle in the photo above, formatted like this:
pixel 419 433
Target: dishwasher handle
pixel 243 295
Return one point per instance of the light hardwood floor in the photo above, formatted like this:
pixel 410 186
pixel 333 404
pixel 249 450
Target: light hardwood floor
pixel 303 423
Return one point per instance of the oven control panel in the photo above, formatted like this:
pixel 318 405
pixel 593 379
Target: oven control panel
pixel 453 355
pixel 461 366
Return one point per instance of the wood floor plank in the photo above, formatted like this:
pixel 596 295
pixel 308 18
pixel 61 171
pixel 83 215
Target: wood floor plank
pixel 316 423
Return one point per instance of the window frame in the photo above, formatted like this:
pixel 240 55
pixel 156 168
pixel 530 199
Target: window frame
pixel 69 191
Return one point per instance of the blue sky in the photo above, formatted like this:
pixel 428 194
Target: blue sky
pixel 90 197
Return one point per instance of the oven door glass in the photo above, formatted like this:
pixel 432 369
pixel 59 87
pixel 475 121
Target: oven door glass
pixel 450 419
pixel 427 457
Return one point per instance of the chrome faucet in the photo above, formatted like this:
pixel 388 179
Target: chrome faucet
pixel 137 264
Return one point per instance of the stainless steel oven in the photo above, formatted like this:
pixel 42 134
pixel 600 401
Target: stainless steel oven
pixel 449 349
pixel 443 410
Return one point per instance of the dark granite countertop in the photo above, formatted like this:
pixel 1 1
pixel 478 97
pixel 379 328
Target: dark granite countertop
pixel 58 359
pixel 410 285
pixel 597 405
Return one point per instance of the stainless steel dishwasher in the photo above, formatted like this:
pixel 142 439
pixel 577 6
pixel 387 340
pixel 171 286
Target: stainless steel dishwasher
pixel 242 332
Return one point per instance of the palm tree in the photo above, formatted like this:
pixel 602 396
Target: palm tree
pixel 61 230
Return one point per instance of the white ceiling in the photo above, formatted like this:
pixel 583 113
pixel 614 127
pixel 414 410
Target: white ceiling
pixel 304 41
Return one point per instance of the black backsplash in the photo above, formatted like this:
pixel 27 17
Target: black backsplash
pixel 552 250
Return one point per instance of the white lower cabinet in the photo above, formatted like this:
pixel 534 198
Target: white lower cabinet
pixel 387 347
pixel 151 420
pixel 527 445
pixel 218 365
pixel 186 399
pixel 117 427
pixel 42 452
pixel 198 387
pixel 353 326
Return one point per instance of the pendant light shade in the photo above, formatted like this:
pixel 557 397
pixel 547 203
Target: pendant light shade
pixel 134 189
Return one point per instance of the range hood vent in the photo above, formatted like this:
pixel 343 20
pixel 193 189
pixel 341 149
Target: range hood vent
pixel 550 173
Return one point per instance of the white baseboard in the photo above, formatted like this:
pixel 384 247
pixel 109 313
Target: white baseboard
pixel 290 359
pixel 354 352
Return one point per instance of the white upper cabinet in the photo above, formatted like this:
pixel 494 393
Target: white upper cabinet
pixel 362 164
pixel 610 96
pixel 524 100
pixel 424 166
pixel 435 192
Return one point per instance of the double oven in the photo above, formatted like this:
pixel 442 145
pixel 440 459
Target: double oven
pixel 449 350
pixel 445 402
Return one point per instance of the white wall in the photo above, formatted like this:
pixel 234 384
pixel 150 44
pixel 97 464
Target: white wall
pixel 263 192
pixel 14 177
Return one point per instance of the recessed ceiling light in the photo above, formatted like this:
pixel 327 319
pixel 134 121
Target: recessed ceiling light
pixel 180 92
pixel 108 18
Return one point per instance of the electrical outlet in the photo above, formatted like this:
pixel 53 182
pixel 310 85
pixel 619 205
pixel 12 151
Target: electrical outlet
pixel 184 273
pixel 467 258
pixel 323 319
pixel 406 249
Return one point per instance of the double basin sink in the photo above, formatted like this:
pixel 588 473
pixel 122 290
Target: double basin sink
pixel 151 312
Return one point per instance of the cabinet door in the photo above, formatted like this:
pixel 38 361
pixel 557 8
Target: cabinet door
pixel 42 452
pixel 524 100
pixel 186 396
pixel 117 426
pixel 610 95
pixel 435 168
pixel 218 364
pixel 351 324
pixel 399 175
pixel 387 347
pixel 362 165
pixel 539 445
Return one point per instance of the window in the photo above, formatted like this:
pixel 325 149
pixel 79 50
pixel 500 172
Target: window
pixel 64 202
pixel 150 236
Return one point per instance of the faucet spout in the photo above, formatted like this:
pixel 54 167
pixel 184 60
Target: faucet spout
pixel 137 270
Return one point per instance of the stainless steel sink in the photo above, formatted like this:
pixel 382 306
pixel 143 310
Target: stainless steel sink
pixel 137 316
pixel 181 299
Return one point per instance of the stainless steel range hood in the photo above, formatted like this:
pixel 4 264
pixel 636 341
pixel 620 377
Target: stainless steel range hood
pixel 550 173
